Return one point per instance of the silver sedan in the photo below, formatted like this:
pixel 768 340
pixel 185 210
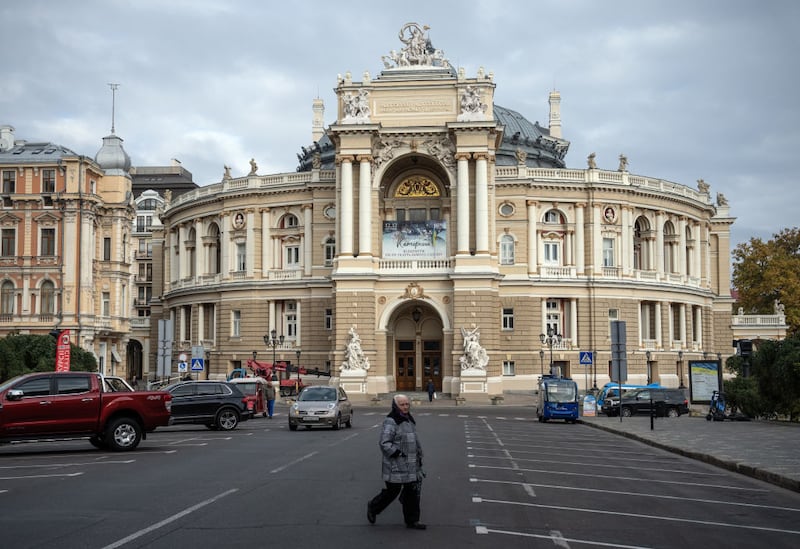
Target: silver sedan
pixel 321 405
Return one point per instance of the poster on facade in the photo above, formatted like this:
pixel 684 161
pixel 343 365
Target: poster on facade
pixel 62 352
pixel 415 240
pixel 704 378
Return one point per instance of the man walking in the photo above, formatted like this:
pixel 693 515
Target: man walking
pixel 401 464
pixel 270 399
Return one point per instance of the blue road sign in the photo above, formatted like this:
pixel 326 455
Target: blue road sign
pixel 197 364
pixel 586 358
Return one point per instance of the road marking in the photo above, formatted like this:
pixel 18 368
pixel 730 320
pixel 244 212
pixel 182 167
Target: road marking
pixel 528 489
pixel 168 520
pixel 57 475
pixel 639 494
pixel 723 486
pixel 558 539
pixel 298 460
pixel 484 530
pixel 638 515
pixel 77 464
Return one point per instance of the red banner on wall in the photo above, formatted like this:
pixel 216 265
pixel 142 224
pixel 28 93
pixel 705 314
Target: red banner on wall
pixel 62 352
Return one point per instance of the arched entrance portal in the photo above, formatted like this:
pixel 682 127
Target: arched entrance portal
pixel 418 348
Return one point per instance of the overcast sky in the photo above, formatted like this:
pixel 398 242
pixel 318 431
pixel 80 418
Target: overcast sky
pixel 686 89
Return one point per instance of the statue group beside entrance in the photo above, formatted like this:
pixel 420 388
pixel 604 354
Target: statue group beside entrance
pixel 474 357
pixel 354 358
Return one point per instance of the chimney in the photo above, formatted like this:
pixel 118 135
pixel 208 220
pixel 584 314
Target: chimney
pixel 6 137
pixel 555 114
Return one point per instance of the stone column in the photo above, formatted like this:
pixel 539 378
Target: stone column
pixel 626 255
pixel 696 261
pixel 266 242
pixel 198 246
pixel 659 337
pixel 659 251
pixel 597 240
pixel 682 324
pixel 580 239
pixel 573 322
pixel 364 206
pixel 462 203
pixel 251 240
pixel 272 324
pixel 224 245
pixel 347 206
pixel 682 247
pixel 481 204
pixel 533 259
pixel 307 239
pixel 698 326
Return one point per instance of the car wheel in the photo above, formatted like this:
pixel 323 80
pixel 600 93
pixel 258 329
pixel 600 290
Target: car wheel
pixel 227 419
pixel 338 423
pixel 123 434
pixel 349 422
pixel 292 427
pixel 673 412
pixel 627 411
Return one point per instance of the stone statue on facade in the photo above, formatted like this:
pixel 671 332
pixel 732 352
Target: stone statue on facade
pixel 721 200
pixel 522 156
pixel 417 50
pixel 703 187
pixel 354 358
pixel 227 175
pixel 623 163
pixel 779 308
pixel 472 105
pixel 253 167
pixel 591 162
pixel 442 149
pixel 316 161
pixel 474 357
pixel 356 107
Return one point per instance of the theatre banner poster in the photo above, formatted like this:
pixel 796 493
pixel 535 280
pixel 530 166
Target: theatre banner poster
pixel 415 240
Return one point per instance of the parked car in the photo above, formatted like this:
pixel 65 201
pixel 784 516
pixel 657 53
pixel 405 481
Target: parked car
pixel 321 405
pixel 57 405
pixel 665 402
pixel 255 390
pixel 215 404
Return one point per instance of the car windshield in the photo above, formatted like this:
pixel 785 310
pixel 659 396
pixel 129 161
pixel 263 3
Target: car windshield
pixel 561 392
pixel 323 394
pixel 247 388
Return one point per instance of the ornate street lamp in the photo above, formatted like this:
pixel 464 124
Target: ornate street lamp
pixel 297 354
pixel 541 361
pixel 649 381
pixel 273 340
pixel 551 338
pixel 680 368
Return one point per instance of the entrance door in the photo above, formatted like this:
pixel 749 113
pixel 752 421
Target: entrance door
pixel 406 371
pixel 432 363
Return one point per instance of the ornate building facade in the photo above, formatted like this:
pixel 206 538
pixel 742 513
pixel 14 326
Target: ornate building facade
pixel 427 219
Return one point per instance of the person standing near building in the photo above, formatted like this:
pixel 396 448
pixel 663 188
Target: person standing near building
pixel 401 466
pixel 270 399
pixel 431 390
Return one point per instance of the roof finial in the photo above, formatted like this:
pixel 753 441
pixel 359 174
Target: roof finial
pixel 113 101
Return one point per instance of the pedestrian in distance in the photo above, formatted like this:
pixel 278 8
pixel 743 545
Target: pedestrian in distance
pixel 401 466
pixel 270 399
pixel 431 390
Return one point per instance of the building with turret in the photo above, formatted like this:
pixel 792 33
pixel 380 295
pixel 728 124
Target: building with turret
pixel 448 236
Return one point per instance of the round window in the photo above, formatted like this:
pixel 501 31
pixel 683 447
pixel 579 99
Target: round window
pixel 506 209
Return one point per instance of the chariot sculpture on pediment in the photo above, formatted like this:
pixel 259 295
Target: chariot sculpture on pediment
pixel 417 50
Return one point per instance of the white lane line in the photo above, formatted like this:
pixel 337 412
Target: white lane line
pixel 168 520
pixel 648 459
pixel 558 539
pixel 56 475
pixel 655 469
pixel 76 464
pixel 298 460
pixel 638 515
pixel 640 494
pixel 528 489
pixel 593 475
pixel 484 530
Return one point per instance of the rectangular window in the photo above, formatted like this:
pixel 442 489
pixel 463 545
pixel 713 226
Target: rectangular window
pixel 292 256
pixel 241 256
pixel 507 250
pixel 608 252
pixel 236 323
pixel 48 244
pixel 329 319
pixel 330 251
pixel 144 223
pixel 291 319
pixel 9 245
pixel 9 182
pixel 106 249
pixel 508 319
pixel 106 304
pixel 48 181
pixel 509 369
pixel 551 254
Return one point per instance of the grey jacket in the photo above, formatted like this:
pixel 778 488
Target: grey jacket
pixel 399 433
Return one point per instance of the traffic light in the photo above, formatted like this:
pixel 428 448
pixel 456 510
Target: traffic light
pixel 744 347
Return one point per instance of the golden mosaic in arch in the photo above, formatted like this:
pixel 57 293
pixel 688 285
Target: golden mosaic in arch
pixel 415 187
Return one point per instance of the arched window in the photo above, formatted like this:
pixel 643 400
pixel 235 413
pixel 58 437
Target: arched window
pixel 190 250
pixel 641 256
pixel 7 298
pixel 289 221
pixel 47 296
pixel 688 250
pixel 214 256
pixel 506 249
pixel 670 242
pixel 330 251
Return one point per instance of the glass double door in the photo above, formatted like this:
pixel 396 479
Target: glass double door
pixel 414 367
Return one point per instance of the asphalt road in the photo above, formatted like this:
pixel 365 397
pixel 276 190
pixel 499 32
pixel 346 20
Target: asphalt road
pixel 496 477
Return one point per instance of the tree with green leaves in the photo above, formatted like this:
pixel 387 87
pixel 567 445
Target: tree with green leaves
pixel 22 354
pixel 764 272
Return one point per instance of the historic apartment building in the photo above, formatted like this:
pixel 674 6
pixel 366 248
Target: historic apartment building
pixel 426 218
pixel 65 223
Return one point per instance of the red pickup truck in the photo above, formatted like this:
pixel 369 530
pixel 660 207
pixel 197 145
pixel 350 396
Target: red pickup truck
pixel 52 405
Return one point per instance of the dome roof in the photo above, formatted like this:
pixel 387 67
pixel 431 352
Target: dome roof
pixel 538 147
pixel 112 157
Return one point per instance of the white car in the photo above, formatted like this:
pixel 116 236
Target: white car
pixel 321 405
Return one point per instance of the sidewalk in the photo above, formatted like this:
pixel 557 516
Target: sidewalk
pixel 766 450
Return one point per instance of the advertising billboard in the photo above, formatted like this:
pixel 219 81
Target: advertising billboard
pixel 415 240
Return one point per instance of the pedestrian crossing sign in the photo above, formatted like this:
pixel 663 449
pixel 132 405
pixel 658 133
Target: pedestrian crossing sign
pixel 197 364
pixel 586 358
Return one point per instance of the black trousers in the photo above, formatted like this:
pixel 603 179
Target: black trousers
pixel 409 498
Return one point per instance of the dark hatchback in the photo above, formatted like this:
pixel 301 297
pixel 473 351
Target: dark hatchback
pixel 215 404
pixel 665 402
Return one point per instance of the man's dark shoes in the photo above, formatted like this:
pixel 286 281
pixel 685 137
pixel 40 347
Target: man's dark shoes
pixel 416 526
pixel 370 514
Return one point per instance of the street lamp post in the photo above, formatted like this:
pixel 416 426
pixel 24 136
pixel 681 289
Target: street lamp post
pixel 297 354
pixel 541 361
pixel 273 340
pixel 680 368
pixel 649 381
pixel 551 338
